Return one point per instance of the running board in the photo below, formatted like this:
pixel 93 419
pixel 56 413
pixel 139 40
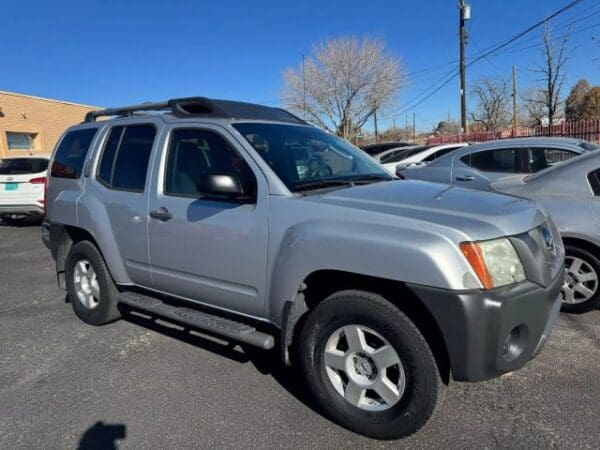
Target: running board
pixel 221 326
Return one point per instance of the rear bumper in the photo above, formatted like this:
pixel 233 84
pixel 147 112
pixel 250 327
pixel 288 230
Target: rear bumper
pixel 476 325
pixel 17 211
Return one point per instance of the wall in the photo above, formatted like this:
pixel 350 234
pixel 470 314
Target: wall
pixel 46 118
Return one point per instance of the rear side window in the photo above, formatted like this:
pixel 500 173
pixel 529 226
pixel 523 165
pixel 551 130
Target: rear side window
pixel 539 158
pixel 19 166
pixel 70 154
pixel 439 153
pixel 124 161
pixel 504 160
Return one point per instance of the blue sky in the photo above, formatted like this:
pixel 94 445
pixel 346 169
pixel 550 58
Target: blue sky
pixel 118 52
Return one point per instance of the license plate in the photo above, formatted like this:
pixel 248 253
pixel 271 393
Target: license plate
pixel 11 186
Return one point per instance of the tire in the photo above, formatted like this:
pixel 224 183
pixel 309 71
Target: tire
pixel 591 264
pixel 12 222
pixel 102 308
pixel 423 388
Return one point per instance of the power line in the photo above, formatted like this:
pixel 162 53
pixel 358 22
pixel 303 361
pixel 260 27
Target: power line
pixel 489 52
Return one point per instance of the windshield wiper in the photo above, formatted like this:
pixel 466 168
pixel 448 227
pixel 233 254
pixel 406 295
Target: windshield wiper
pixel 369 178
pixel 319 184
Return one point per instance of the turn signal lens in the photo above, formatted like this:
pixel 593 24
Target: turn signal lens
pixel 474 255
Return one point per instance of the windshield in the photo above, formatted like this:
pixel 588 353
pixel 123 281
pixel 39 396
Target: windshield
pixel 19 166
pixel 305 157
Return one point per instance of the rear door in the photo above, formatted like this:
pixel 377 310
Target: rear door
pixel 478 169
pixel 116 196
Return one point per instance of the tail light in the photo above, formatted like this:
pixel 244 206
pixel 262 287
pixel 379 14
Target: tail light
pixel 44 181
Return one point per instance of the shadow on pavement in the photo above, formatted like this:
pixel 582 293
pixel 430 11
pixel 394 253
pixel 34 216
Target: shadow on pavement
pixel 576 322
pixel 19 223
pixel 266 362
pixel 102 436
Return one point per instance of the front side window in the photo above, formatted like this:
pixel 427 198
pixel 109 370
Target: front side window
pixel 503 160
pixel 20 141
pixel 439 153
pixel 71 152
pixel 193 153
pixel 21 166
pixel 124 161
pixel 305 157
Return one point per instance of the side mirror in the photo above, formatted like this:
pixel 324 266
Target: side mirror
pixel 222 186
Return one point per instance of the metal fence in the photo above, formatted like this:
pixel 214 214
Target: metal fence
pixel 585 129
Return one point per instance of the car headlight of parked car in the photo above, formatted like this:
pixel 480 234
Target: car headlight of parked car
pixel 495 262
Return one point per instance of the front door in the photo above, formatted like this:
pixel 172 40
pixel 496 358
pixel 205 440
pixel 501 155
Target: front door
pixel 210 250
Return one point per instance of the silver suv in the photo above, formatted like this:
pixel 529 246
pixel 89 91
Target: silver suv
pixel 245 222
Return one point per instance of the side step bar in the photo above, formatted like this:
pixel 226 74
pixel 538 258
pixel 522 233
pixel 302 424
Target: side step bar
pixel 227 328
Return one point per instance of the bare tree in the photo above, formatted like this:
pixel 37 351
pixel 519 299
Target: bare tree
pixel 493 99
pixel 554 60
pixel 343 84
pixel 533 107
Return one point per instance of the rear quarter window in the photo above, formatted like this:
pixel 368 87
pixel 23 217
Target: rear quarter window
pixel 594 179
pixel 71 152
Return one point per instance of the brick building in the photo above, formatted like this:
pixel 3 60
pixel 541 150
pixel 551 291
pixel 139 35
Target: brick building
pixel 32 125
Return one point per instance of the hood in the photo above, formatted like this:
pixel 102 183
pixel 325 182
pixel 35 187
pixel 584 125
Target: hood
pixel 478 214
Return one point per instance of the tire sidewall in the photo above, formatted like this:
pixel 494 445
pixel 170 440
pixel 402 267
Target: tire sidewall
pixel 422 377
pixel 104 310
pixel 594 262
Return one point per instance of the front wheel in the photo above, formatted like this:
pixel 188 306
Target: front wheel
pixel 368 366
pixel 581 289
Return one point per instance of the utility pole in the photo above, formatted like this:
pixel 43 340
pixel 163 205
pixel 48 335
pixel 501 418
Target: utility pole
pixel 375 121
pixel 414 129
pixel 515 113
pixel 464 10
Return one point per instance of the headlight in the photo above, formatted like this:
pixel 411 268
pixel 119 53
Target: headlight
pixel 495 262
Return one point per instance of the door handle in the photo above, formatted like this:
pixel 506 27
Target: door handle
pixel 162 214
pixel 465 178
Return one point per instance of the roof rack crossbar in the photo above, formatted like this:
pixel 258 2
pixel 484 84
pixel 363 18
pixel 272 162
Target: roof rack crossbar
pixel 126 110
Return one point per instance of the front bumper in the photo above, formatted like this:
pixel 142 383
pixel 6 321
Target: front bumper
pixel 476 324
pixel 20 211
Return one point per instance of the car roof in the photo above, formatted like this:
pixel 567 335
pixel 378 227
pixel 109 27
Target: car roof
pixel 523 141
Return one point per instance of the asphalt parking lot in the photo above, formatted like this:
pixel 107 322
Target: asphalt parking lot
pixel 137 384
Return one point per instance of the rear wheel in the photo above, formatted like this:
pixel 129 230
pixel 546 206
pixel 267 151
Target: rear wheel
pixel 368 366
pixel 90 288
pixel 581 289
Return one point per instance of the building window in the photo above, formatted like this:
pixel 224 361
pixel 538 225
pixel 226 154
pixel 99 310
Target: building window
pixel 20 141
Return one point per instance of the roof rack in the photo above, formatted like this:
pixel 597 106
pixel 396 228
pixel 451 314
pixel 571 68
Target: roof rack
pixel 202 107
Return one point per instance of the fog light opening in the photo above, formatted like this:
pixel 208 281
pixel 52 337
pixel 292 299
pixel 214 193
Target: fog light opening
pixel 514 344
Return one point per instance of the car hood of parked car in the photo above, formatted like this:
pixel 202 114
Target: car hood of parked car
pixel 479 214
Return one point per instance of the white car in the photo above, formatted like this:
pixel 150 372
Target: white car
pixel 418 155
pixel 22 187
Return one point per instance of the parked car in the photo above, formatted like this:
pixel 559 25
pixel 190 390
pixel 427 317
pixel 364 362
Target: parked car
pixel 570 192
pixel 422 155
pixel 243 221
pixel 22 183
pixel 476 166
pixel 391 157
pixel 379 147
